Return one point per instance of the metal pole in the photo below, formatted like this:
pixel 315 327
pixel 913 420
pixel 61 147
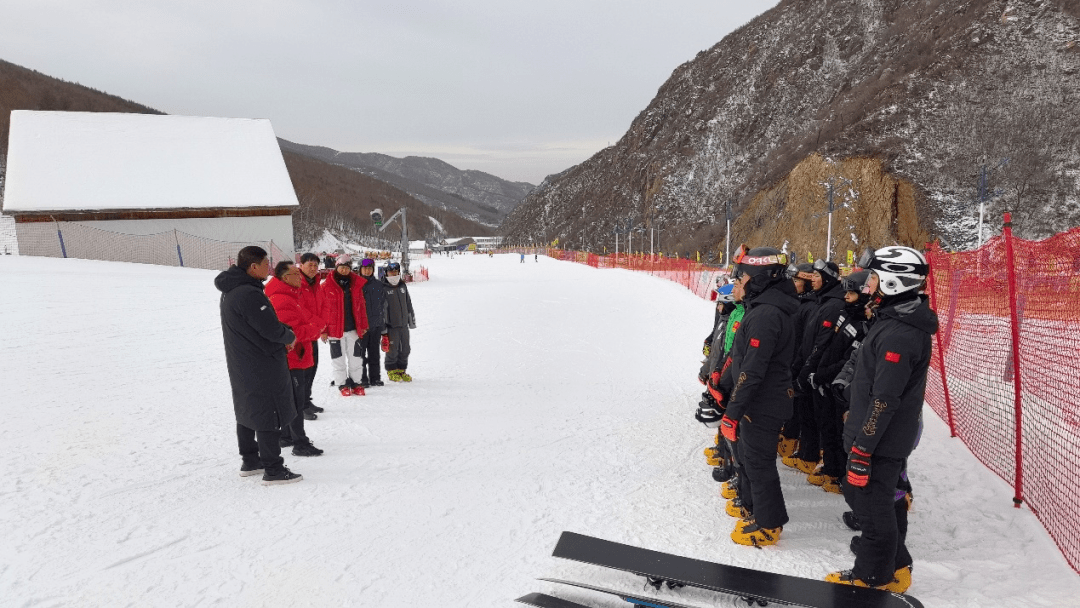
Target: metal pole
pixel 616 247
pixel 727 237
pixel 828 238
pixel 404 242
pixel 982 201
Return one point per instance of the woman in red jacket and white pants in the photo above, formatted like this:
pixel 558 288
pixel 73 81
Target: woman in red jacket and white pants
pixel 345 312
pixel 284 293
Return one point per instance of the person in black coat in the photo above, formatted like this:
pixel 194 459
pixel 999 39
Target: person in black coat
pixel 801 428
pixel 255 353
pixel 756 380
pixel 821 329
pixel 882 427
pixel 374 298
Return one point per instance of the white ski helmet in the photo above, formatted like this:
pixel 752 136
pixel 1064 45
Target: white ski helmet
pixel 899 269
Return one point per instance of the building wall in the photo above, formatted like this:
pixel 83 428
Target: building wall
pixel 202 242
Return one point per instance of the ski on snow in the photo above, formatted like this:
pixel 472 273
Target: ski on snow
pixel 753 586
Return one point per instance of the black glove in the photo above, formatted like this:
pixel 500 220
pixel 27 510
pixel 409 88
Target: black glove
pixel 858 467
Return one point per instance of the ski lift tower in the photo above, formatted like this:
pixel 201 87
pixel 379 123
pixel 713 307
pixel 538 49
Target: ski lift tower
pixel 377 217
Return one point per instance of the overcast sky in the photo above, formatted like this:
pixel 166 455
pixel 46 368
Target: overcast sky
pixel 517 88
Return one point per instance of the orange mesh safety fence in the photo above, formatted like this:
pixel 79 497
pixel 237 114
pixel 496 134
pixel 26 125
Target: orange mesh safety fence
pixel 695 276
pixel 1009 316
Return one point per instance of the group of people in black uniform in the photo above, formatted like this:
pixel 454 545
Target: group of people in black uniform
pixel 828 372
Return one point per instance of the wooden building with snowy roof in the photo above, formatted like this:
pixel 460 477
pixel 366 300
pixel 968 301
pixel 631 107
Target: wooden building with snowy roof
pixel 159 189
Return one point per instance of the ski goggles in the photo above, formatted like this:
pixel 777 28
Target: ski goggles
pixel 821 265
pixel 393 267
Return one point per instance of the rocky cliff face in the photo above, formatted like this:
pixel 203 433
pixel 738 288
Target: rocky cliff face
pixel 896 104
pixel 474 195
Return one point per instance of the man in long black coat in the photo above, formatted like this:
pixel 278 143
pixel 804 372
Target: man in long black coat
pixel 255 352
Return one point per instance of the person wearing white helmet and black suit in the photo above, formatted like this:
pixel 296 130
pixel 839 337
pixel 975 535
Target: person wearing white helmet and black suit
pixel 882 426
pixel 755 388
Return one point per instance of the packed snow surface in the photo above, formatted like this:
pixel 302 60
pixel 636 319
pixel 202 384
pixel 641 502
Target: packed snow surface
pixel 548 396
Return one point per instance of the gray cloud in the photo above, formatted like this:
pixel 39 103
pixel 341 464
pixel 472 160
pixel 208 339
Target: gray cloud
pixel 518 89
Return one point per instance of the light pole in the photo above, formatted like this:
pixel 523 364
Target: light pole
pixel 377 217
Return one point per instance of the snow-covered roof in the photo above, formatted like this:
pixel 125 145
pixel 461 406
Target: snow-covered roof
pixel 96 161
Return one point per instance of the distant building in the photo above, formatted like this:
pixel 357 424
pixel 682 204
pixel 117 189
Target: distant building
pixel 487 243
pixel 147 188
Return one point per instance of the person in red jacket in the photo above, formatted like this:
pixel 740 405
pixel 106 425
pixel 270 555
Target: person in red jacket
pixel 345 312
pixel 309 299
pixel 284 292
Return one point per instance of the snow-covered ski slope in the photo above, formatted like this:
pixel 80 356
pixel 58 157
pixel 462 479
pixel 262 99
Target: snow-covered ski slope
pixel 548 396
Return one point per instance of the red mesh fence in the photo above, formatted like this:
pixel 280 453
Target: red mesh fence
pixel 695 276
pixel 1010 336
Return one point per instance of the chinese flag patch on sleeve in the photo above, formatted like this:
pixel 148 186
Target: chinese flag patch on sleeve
pixel 892 357
pixel 755 342
pixel 736 327
pixel 827 324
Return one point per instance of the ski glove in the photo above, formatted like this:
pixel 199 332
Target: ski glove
pixel 728 428
pixel 714 389
pixel 385 343
pixel 707 348
pixel 858 467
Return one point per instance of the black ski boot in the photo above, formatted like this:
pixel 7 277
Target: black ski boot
pixel 280 477
pixel 306 449
pixel 851 521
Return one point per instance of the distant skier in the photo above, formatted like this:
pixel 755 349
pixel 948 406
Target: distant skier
pixel 255 353
pixel 755 386
pixel 882 426
pixel 398 319
pixel 523 258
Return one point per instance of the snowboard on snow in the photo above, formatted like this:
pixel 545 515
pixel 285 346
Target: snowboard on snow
pixel 636 600
pixel 541 600
pixel 753 586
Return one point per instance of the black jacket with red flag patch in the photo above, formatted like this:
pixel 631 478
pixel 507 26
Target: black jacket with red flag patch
pixel 890 380
pixel 758 377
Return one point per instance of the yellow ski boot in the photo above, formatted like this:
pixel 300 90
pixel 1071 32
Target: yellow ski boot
pixel 816 478
pixel 786 447
pixel 728 490
pixel 845 577
pixel 735 509
pixel 832 485
pixel 754 535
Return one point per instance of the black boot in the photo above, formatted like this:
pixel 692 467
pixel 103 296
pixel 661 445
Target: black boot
pixel 282 476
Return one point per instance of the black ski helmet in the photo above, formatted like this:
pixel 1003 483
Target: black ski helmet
pixel 829 271
pixel 765 266
pixel 855 282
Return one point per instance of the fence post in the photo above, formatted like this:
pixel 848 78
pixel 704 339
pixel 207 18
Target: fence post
pixel 60 235
pixel 937 337
pixel 1010 269
pixel 178 254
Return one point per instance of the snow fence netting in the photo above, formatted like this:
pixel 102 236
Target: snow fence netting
pixel 995 385
pixel 169 248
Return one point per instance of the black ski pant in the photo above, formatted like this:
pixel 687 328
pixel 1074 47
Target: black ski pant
pixel 398 357
pixel 370 347
pixel 883 522
pixel 830 429
pixel 294 430
pixel 809 442
pixel 759 481
pixel 309 375
pixel 260 447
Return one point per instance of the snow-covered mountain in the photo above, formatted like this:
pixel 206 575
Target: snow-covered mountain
pixel 474 195
pixel 897 103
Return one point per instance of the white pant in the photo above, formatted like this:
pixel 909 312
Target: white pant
pixel 346 359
